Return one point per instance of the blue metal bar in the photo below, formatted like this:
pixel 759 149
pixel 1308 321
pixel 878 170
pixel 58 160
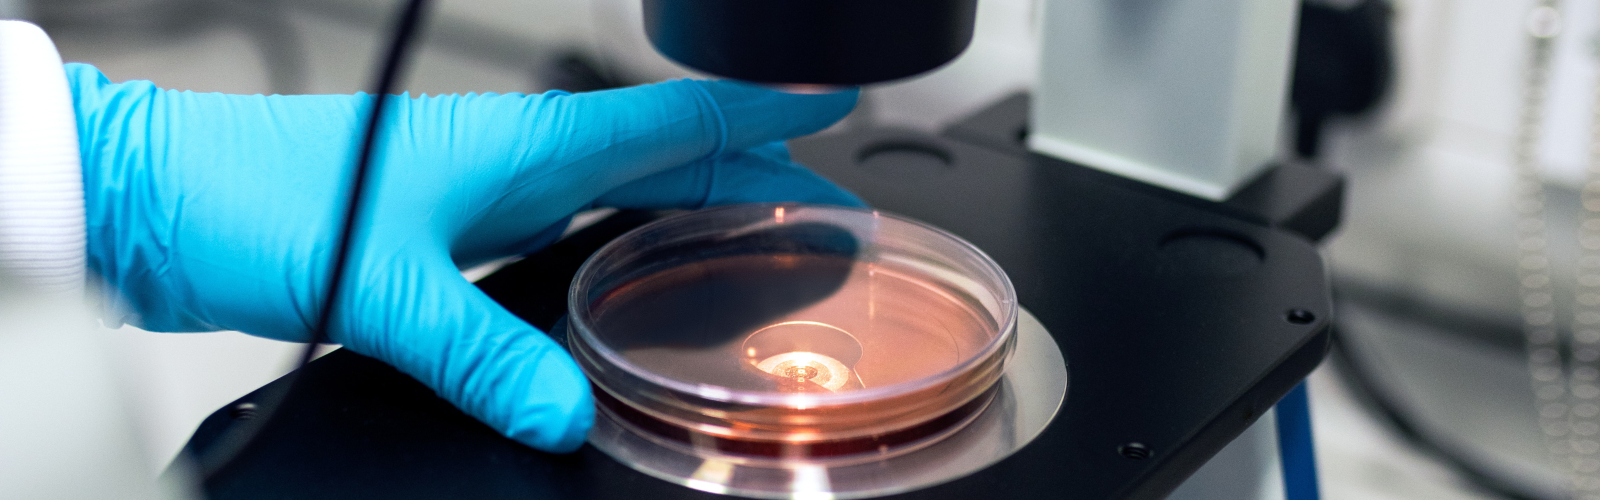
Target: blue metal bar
pixel 1295 446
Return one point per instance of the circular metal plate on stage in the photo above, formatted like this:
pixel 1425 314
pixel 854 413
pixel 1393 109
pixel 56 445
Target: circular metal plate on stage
pixel 1028 396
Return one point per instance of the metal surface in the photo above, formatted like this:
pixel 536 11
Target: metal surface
pixel 1296 197
pixel 1184 94
pixel 1030 394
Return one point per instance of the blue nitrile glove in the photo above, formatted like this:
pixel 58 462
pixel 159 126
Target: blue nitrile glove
pixel 220 212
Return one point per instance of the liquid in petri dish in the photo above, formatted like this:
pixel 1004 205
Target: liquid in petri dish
pixel 792 323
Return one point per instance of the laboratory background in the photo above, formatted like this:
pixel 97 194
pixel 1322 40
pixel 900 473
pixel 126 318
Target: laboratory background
pixel 1429 392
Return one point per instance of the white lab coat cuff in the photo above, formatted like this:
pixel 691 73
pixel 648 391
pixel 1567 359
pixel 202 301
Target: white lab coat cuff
pixel 42 228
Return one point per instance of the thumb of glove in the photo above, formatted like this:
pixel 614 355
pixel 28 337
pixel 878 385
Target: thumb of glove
pixel 419 315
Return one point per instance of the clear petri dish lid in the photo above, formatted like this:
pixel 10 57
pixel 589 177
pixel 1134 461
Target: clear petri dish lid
pixel 790 307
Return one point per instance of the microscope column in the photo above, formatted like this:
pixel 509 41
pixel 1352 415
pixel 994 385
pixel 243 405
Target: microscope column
pixel 1184 94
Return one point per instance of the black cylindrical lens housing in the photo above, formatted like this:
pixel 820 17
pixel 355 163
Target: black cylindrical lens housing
pixel 824 42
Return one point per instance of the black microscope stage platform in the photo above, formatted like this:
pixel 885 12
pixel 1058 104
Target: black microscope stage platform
pixel 1182 320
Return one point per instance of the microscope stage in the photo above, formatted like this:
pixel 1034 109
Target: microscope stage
pixel 1182 321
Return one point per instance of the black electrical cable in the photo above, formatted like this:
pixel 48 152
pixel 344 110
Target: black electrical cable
pixel 215 459
pixel 1364 381
pixel 405 31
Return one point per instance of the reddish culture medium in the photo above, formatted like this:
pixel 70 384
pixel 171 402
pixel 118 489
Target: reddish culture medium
pixel 792 332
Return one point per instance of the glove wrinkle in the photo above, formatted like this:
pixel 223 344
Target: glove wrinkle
pixel 720 143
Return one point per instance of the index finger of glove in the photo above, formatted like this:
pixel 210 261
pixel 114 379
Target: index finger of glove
pixel 607 139
pixel 759 175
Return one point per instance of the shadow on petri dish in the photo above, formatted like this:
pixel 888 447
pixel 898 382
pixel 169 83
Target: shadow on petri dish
pixel 714 292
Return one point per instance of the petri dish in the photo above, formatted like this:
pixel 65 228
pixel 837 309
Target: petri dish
pixel 790 333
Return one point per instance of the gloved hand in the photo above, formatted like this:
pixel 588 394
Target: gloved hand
pixel 220 212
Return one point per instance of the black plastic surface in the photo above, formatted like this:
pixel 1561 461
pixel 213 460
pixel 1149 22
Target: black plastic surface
pixel 1175 320
pixel 1177 347
pixel 828 42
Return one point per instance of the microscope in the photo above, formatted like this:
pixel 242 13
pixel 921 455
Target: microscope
pixel 1166 264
